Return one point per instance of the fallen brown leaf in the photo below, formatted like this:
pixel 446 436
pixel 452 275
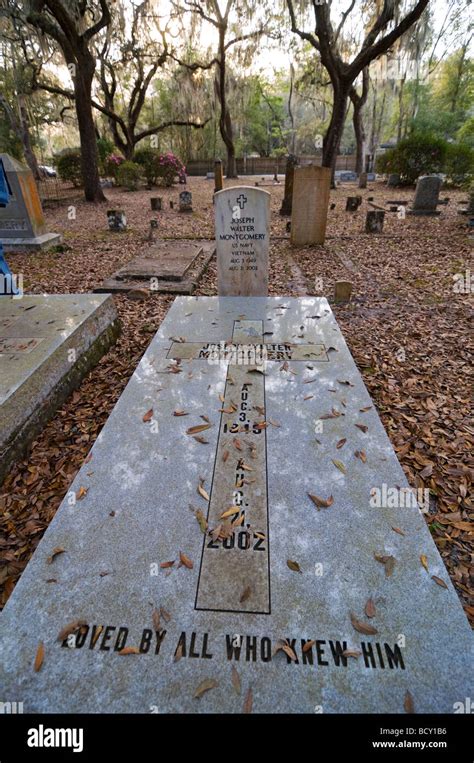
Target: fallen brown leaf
pixel 321 503
pixel 56 551
pixel 39 657
pixel 185 561
pixel 204 686
pixel 361 627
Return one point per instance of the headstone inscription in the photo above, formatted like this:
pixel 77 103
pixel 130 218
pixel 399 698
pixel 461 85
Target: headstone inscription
pixel 47 345
pixel 256 564
pixel 311 191
pixel 242 217
pixel 22 224
pixel 426 196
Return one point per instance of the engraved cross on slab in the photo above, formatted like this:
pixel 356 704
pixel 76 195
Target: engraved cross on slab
pixel 234 574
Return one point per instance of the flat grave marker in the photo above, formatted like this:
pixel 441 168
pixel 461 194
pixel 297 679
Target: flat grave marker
pixel 147 604
pixel 166 266
pixel 47 345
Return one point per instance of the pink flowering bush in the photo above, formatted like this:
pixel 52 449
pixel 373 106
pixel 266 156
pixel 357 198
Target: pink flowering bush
pixel 159 167
pixel 112 164
pixel 171 167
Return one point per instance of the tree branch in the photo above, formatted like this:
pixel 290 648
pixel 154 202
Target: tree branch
pixel 171 123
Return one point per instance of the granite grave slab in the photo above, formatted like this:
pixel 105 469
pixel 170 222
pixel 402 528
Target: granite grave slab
pixel 171 266
pixel 197 568
pixel 47 345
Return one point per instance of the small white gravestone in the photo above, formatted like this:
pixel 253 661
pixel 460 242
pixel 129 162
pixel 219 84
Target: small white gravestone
pixel 242 240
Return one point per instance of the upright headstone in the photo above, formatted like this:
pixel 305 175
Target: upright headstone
pixel 426 195
pixel 393 180
pixel 310 205
pixel 117 220
pixel 291 163
pixel 185 201
pixel 218 176
pixel 374 221
pixel 342 291
pixel 22 224
pixel 242 217
pixel 156 203
pixel 353 203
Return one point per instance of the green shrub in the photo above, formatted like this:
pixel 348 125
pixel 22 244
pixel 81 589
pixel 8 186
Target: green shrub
pixel 104 148
pixel 465 134
pixel 149 160
pixel 69 166
pixel 128 175
pixel 414 156
pixel 459 166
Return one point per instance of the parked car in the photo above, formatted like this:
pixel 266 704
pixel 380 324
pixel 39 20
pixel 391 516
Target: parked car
pixel 48 171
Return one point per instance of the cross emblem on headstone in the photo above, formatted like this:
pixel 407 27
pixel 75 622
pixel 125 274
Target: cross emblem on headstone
pixel 242 201
pixel 240 481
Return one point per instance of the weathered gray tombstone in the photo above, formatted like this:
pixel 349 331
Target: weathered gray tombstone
pixel 363 180
pixel 117 220
pixel 374 221
pixel 353 203
pixel 393 180
pixel 342 291
pixel 312 186
pixel 426 196
pixel 156 203
pixel 22 223
pixel 242 217
pixel 185 201
pixel 153 599
pixel 47 345
pixel 152 231
pixel 286 206
pixel 218 176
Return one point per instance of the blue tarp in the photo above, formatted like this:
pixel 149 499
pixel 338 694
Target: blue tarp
pixel 5 191
pixel 7 284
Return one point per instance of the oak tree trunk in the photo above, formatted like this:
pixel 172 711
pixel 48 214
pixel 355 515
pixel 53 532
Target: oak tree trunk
pixel 89 154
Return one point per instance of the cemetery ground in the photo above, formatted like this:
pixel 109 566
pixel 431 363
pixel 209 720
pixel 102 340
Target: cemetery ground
pixel 406 326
